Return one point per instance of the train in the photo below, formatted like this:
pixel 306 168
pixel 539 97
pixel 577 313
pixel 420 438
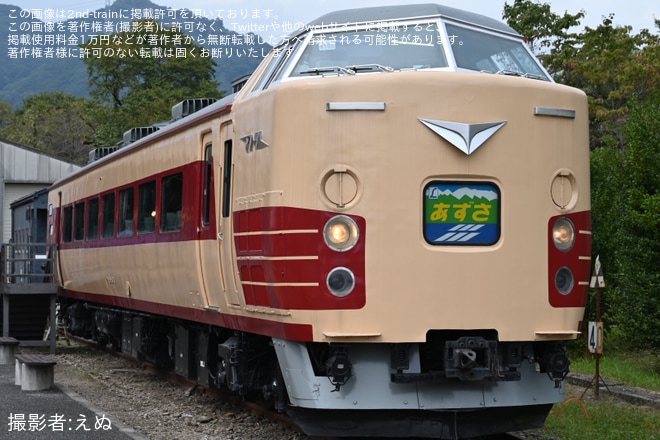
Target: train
pixel 385 232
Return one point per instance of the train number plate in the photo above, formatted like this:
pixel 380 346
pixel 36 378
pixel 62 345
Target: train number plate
pixel 461 213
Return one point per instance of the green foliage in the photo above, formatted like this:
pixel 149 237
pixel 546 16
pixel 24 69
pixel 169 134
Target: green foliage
pixel 609 63
pixel 544 31
pixel 150 69
pixel 626 224
pixel 636 249
pixel 6 115
pixel 613 67
pixel 620 73
pixel 54 122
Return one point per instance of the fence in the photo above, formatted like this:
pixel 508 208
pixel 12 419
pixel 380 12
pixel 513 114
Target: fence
pixel 27 263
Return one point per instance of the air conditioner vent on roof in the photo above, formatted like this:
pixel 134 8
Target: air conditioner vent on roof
pixel 190 106
pixel 100 152
pixel 138 133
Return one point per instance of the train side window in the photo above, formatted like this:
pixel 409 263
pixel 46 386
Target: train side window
pixel 172 203
pixel 147 207
pixel 126 200
pixel 109 215
pixel 208 181
pixel 67 225
pixel 226 180
pixel 79 221
pixel 93 219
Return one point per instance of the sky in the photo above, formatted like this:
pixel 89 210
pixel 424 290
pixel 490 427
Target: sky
pixel 637 13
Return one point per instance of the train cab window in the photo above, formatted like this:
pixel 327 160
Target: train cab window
pixel 207 184
pixel 109 215
pixel 67 225
pixel 276 67
pixel 410 47
pixel 172 203
pixel 147 207
pixel 93 219
pixel 486 52
pixel 79 222
pixel 126 214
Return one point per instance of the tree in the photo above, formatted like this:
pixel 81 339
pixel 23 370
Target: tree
pixel 6 115
pixel 544 31
pixel 609 63
pixel 54 122
pixel 140 74
pixel 626 220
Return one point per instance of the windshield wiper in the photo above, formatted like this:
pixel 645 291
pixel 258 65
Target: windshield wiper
pixel 371 67
pixel 524 75
pixel 534 76
pixel 328 69
pixel 509 73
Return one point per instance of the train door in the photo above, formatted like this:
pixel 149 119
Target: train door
pixel 209 244
pixel 216 250
pixel 54 232
pixel 224 214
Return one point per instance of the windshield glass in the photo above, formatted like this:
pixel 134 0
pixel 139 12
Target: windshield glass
pixel 482 51
pixel 404 46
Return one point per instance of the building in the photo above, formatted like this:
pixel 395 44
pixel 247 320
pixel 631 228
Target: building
pixel 24 170
pixel 27 288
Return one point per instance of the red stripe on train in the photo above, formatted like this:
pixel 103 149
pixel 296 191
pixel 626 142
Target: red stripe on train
pixel 283 260
pixel 577 259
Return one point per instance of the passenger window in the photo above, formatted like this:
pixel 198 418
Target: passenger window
pixel 80 221
pixel 147 207
pixel 67 225
pixel 126 212
pixel 109 215
pixel 93 219
pixel 172 203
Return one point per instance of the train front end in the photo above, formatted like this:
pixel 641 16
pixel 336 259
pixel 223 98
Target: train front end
pixel 418 196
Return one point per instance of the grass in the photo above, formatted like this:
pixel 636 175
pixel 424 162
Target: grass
pixel 602 419
pixel 633 369
pixel 608 418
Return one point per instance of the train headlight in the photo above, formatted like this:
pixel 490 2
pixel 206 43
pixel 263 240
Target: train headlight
pixel 341 233
pixel 340 281
pixel 564 280
pixel 563 234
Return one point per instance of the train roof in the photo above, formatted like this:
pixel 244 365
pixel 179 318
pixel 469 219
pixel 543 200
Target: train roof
pixel 163 130
pixel 401 12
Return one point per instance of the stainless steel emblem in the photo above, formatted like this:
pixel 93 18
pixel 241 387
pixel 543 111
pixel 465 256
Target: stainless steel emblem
pixel 465 137
pixel 254 142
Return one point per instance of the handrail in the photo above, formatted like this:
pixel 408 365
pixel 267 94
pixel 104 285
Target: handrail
pixel 27 263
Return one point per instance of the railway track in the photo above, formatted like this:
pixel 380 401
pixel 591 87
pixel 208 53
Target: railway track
pixel 160 404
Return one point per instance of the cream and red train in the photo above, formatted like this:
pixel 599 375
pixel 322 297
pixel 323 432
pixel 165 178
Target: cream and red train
pixel 386 231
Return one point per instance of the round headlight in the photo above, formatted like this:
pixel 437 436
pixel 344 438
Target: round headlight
pixel 340 281
pixel 563 234
pixel 341 233
pixel 564 280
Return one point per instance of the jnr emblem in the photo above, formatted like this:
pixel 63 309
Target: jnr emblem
pixel 254 142
pixel 465 137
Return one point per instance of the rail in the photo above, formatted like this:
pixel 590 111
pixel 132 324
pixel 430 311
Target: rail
pixel 27 263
